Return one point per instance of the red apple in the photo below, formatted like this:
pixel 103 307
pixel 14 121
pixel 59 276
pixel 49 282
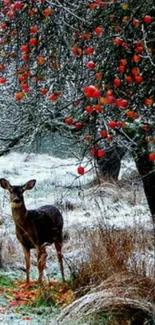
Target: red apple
pixel 100 153
pixel 89 109
pixel 98 30
pixel 43 91
pixel 111 100
pixel 138 79
pixel 152 156
pixel 103 133
pixel 24 48
pixel 33 29
pixel 78 125
pixel 68 121
pixel 147 19
pixel 81 170
pixel 33 41
pixel 112 124
pixel 90 65
pixel 3 80
pixel 117 82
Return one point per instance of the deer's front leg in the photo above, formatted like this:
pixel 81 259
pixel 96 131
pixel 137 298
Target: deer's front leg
pixel 41 261
pixel 27 261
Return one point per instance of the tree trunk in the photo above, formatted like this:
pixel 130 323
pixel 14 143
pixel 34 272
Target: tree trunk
pixel 110 164
pixel 146 170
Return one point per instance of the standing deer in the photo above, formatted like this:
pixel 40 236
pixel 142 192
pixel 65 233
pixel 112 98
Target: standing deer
pixel 35 228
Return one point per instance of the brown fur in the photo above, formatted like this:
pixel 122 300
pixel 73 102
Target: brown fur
pixel 35 228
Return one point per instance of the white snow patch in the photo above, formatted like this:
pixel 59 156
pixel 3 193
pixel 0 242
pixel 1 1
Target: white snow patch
pixel 58 180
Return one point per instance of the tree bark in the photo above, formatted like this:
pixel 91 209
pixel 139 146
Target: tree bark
pixel 146 170
pixel 110 164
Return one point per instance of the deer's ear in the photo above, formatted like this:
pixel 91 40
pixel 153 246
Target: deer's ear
pixel 29 185
pixel 5 184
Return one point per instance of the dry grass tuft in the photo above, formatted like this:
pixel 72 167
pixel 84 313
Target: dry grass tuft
pixel 130 298
pixel 110 252
pixel 115 279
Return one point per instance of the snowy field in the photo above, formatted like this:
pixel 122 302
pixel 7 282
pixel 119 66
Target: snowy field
pixel 58 183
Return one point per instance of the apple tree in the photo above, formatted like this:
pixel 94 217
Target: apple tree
pixel 86 68
pixel 118 54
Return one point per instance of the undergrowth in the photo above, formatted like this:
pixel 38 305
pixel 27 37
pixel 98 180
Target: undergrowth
pixel 109 251
pixel 5 281
pixel 113 280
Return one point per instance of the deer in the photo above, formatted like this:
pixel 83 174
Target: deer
pixel 35 229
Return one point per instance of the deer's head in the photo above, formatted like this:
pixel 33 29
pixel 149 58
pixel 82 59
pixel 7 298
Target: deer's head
pixel 16 191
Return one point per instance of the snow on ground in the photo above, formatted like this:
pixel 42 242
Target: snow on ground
pixel 111 204
pixel 58 182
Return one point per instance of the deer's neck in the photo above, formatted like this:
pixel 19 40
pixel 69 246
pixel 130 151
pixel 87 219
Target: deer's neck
pixel 19 212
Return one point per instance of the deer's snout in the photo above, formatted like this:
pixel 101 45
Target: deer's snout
pixel 16 200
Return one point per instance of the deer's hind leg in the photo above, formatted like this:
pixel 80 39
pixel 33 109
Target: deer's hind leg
pixel 58 246
pixel 41 261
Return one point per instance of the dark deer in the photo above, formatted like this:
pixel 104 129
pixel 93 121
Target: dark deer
pixel 35 228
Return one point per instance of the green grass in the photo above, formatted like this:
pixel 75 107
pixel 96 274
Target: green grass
pixel 5 281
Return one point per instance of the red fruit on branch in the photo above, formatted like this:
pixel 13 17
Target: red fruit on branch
pixel 136 23
pixel 18 5
pixel 3 80
pixel 78 125
pixel 89 50
pixel 152 156
pixel 24 48
pixel 112 124
pixel 135 71
pixel 123 62
pixel 33 41
pixel 147 19
pixel 81 170
pixel 91 91
pixel 100 153
pixel 111 100
pixel 138 79
pixel 88 138
pixel 148 101
pixel 130 113
pixel 76 50
pixel 89 109
pixel 98 108
pixel 93 151
pixel 129 79
pixel 136 58
pixel 98 30
pixel 44 91
pixel 47 12
pixel 90 65
pixel 121 68
pixel 117 41
pixel 3 26
pixel 19 95
pixel 103 133
pixel 41 60
pixel 33 29
pixel 21 77
pixel 10 14
pixel 68 121
pixel 121 103
pixel 98 76
pixel 25 56
pixel 117 82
